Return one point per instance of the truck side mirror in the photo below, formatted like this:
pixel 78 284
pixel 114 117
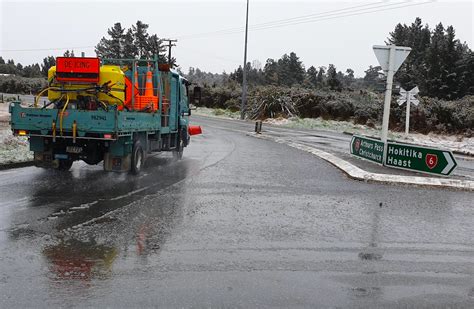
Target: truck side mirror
pixel 197 95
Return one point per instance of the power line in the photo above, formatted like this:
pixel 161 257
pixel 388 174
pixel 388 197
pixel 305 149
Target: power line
pixel 328 15
pixel 322 18
pixel 275 21
pixel 43 49
pixel 342 15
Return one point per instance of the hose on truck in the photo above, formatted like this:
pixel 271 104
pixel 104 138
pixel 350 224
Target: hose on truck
pixel 62 114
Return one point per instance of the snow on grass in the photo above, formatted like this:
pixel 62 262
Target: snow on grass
pixel 13 149
pixel 217 112
pixel 452 142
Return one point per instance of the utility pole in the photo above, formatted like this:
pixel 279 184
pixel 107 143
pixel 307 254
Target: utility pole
pixel 243 106
pixel 170 44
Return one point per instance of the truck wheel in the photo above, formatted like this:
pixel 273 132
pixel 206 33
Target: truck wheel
pixel 178 153
pixel 138 158
pixel 65 165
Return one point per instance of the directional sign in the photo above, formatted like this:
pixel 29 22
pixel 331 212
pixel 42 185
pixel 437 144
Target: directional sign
pixel 367 148
pixel 382 52
pixel 420 159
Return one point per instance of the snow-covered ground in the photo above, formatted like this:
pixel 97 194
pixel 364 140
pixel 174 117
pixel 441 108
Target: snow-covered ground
pixel 12 148
pixel 16 149
pixel 452 142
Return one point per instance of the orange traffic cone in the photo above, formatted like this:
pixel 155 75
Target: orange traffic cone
pixel 136 80
pixel 148 101
pixel 149 83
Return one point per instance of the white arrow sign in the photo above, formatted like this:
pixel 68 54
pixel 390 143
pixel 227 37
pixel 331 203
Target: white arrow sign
pixel 382 52
pixel 448 167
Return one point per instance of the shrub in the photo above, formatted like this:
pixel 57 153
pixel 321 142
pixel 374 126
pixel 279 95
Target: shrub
pixel 21 85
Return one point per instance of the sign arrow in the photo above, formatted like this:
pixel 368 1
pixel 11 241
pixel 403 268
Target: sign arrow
pixel 450 165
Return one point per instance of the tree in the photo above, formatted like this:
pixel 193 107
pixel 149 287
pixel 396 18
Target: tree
pixel 270 72
pixel 296 69
pixel 155 47
pixel 131 43
pixel 371 77
pixel 321 76
pixel 312 73
pixel 68 53
pixel 129 49
pixel 349 78
pixel 48 62
pixel 113 47
pixel 432 63
pixel 141 39
pixel 333 81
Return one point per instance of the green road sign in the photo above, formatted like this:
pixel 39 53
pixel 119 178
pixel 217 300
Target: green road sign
pixel 421 159
pixel 367 148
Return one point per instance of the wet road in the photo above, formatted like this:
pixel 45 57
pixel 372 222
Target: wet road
pixel 239 222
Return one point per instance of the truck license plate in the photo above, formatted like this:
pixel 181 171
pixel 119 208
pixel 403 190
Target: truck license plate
pixel 73 149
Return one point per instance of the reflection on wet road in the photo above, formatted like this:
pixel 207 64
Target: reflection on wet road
pixel 239 222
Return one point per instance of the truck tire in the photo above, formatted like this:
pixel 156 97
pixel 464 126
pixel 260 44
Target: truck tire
pixel 65 165
pixel 138 158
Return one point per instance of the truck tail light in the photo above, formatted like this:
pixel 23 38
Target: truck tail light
pixel 108 136
pixel 22 132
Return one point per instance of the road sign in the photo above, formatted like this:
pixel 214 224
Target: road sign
pixel 390 58
pixel 409 97
pixel 367 148
pixel 382 52
pixel 420 159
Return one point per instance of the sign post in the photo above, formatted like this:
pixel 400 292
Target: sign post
pixel 390 58
pixel 409 97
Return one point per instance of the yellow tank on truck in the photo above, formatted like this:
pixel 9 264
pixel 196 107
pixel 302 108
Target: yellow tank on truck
pixel 110 74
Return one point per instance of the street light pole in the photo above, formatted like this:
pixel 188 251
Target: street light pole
pixel 243 105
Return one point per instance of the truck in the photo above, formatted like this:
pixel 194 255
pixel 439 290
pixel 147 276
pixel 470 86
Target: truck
pixel 115 111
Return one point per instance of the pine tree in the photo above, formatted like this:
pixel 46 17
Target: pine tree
pixel 155 47
pixel 296 69
pixel 48 62
pixel 320 78
pixel 270 72
pixel 312 73
pixel 333 81
pixel 68 53
pixel 129 49
pixel 141 39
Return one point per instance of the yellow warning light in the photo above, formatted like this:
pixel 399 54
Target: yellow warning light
pixel 22 132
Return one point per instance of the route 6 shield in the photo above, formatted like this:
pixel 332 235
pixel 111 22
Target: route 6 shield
pixel 431 160
pixel 357 144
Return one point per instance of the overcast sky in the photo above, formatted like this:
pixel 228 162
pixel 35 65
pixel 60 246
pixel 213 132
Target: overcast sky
pixel 31 30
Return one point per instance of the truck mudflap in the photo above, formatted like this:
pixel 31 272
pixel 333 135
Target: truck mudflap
pixel 117 163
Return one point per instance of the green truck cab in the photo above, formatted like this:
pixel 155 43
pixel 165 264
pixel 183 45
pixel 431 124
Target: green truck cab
pixel 116 112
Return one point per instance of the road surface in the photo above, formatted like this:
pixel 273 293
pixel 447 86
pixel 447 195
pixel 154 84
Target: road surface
pixel 239 222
